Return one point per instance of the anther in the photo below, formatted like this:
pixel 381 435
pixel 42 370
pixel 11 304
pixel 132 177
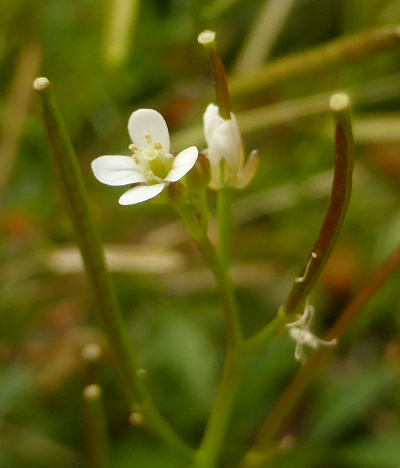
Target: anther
pixel 147 137
pixel 133 148
pixel 300 279
pixel 157 146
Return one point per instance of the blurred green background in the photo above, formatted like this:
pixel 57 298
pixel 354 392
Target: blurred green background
pixel 106 59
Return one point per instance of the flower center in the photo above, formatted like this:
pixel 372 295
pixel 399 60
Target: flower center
pixel 152 160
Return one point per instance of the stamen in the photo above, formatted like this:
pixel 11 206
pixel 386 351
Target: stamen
pixel 300 279
pixel 133 148
pixel 147 137
pixel 150 176
pixel 305 319
pixel 157 146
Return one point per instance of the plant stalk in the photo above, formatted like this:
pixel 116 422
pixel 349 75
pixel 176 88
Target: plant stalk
pixel 224 284
pixel 96 270
pixel 224 216
pixel 263 450
pixel 95 427
pixel 218 424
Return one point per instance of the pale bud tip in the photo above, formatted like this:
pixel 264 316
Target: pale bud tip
pixel 91 352
pixel 91 392
pixel 41 84
pixel 339 102
pixel 206 37
pixel 136 419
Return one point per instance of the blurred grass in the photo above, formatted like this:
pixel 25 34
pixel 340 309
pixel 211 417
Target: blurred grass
pixel 173 314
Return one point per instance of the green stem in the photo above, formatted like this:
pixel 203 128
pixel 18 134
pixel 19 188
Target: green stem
pixel 96 270
pixel 95 427
pixel 258 341
pixel 235 365
pixel 232 325
pixel 228 303
pixel 343 50
pixel 224 215
pixel 212 443
pixel 86 235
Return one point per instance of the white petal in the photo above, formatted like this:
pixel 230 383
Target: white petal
pixel 182 164
pixel 216 177
pixel 148 121
pixel 140 193
pixel 211 121
pixel 116 170
pixel 226 144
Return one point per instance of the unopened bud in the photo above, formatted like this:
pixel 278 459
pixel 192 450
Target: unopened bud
pixel 206 38
pixel 136 419
pixel 91 352
pixel 176 192
pixel 339 102
pixel 199 176
pixel 41 84
pixel 92 392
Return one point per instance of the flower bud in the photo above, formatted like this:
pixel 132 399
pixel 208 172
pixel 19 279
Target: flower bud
pixel 176 193
pixel 226 152
pixel 199 177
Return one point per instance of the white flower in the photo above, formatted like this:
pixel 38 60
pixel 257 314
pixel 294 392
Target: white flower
pixel 226 152
pixel 151 165
pixel 299 331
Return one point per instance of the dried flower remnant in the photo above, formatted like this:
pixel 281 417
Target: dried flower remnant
pixel 152 167
pixel 300 332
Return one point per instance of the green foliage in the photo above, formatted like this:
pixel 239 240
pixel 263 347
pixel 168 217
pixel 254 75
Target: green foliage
pixel 350 416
